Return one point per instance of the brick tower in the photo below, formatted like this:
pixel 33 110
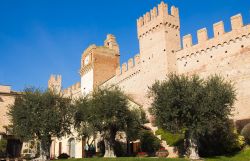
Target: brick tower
pixel 99 64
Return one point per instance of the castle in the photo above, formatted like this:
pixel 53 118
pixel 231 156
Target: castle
pixel 161 52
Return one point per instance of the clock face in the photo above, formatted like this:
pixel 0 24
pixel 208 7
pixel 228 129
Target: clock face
pixel 86 61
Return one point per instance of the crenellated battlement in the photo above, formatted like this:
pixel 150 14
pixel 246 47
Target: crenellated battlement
pixel 72 89
pixel 156 18
pixel 127 71
pixel 55 78
pixel 126 67
pixel 219 29
pixel 220 37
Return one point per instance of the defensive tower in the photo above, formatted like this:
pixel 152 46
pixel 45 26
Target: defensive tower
pixel 99 64
pixel 159 33
pixel 55 83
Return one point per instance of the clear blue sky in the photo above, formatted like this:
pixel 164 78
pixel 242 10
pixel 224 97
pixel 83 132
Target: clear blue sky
pixel 41 37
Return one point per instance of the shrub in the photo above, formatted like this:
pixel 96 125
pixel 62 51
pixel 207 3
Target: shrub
pixel 120 149
pixel 246 133
pixel 170 138
pixel 90 152
pixel 149 142
pixel 26 151
pixel 224 140
pixel 63 156
pixel 3 146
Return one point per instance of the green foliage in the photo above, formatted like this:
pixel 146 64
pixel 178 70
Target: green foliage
pixel 3 146
pixel 120 149
pixel 243 155
pixel 111 110
pixel 84 122
pixel 40 115
pixel 149 142
pixel 107 111
pixel 26 151
pixel 224 136
pixel 171 138
pixel 135 121
pixel 246 133
pixel 130 159
pixel 63 156
pixel 199 106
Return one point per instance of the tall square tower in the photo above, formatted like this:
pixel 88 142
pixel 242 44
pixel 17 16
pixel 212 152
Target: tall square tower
pixel 159 35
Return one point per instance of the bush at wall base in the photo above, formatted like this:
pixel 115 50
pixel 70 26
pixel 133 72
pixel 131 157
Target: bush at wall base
pixel 63 156
pixel 149 142
pixel 3 146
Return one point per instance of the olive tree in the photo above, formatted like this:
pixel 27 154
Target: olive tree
pixel 111 114
pixel 41 115
pixel 84 120
pixel 193 105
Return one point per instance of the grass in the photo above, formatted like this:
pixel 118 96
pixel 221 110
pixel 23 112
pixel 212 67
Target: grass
pixel 127 159
pixel 244 155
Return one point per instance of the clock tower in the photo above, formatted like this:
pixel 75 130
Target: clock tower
pixel 98 64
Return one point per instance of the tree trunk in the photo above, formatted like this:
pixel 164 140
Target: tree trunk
pixel 45 150
pixel 109 149
pixel 193 149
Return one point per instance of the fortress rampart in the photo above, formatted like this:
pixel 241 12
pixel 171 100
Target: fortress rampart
pixel 126 71
pixel 226 54
pixel 72 90
pixel 220 38
pixel 132 62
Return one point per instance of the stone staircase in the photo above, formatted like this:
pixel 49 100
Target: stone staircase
pixel 171 150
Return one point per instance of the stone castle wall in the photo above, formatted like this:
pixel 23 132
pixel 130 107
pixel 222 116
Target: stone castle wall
pixel 74 90
pixel 226 54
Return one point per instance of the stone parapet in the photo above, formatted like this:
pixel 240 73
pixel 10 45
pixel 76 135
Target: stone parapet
pixel 157 18
pixel 220 38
